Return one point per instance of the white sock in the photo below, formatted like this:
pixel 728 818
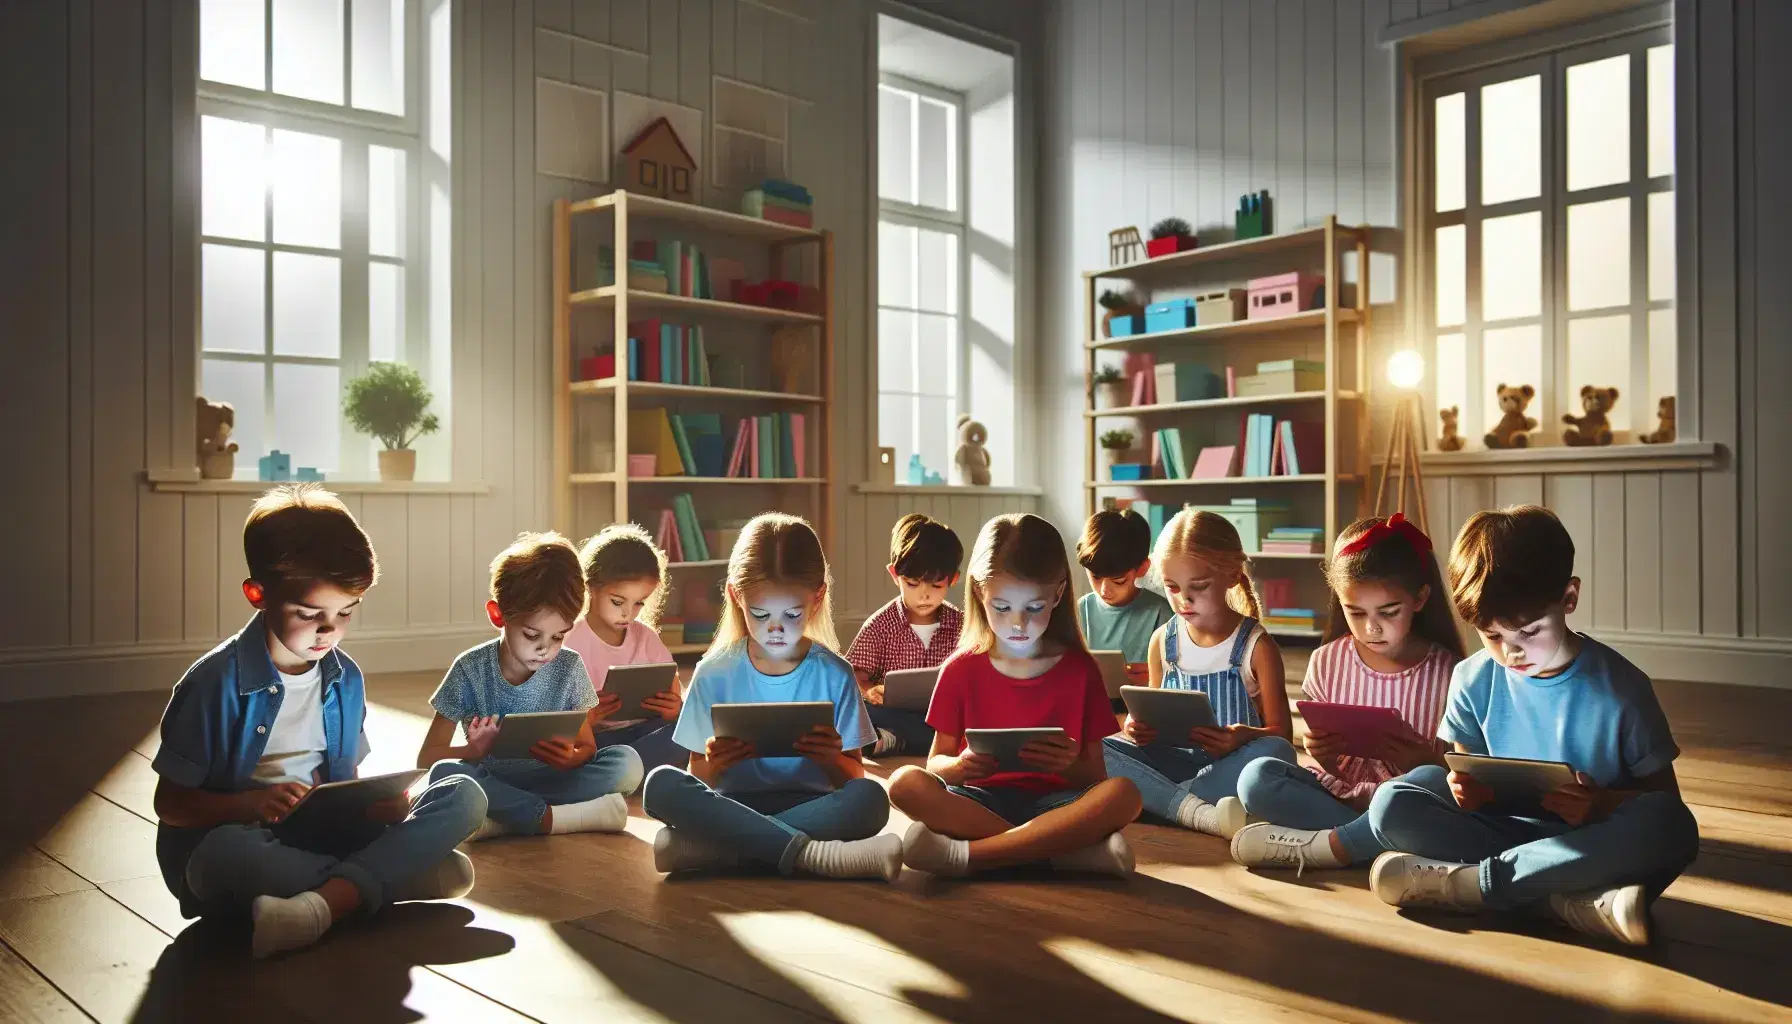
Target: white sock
pixel 607 813
pixel 888 744
pixel 1111 856
pixel 877 857
pixel 489 830
pixel 1465 883
pixel 1188 810
pixel 447 879
pixel 1222 819
pixel 926 850
pixel 292 923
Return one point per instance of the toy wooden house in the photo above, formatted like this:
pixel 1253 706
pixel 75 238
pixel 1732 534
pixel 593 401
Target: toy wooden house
pixel 656 163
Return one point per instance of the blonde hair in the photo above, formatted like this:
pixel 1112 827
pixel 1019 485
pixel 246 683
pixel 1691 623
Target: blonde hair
pixel 538 570
pixel 775 549
pixel 1029 548
pixel 622 552
pixel 1211 539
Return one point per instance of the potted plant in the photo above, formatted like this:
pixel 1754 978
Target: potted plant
pixel 1170 235
pixel 1116 446
pixel 1120 307
pixel 391 403
pixel 1111 390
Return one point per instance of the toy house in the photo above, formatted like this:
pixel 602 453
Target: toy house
pixel 656 163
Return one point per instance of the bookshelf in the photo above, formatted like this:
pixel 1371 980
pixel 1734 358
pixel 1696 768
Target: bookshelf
pixel 592 485
pixel 1336 334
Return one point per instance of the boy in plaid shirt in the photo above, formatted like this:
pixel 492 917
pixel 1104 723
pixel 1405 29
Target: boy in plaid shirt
pixel 918 629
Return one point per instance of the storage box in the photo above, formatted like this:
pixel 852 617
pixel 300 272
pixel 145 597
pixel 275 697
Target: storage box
pixel 1252 522
pixel 1124 471
pixel 643 465
pixel 1220 307
pixel 1125 326
pixel 1169 245
pixel 1187 382
pixel 1280 382
pixel 1169 316
pixel 1281 295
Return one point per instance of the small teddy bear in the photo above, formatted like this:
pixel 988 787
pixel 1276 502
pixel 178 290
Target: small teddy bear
pixel 1664 411
pixel 1594 428
pixel 216 451
pixel 1450 441
pixel 972 459
pixel 1513 430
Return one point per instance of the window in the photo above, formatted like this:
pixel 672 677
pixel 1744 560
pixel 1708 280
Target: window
pixel 312 238
pixel 1547 245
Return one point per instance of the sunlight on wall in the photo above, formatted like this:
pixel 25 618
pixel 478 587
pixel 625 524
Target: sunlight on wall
pixel 820 956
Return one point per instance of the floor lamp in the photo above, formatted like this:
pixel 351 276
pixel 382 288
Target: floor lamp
pixel 1405 440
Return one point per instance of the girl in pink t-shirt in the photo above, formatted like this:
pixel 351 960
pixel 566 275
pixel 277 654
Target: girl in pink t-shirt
pixel 1020 663
pixel 625 576
pixel 1390 643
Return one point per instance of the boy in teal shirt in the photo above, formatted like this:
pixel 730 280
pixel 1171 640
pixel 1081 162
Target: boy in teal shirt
pixel 1119 615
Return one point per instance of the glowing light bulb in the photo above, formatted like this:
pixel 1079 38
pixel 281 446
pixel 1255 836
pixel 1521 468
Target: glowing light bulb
pixel 1406 369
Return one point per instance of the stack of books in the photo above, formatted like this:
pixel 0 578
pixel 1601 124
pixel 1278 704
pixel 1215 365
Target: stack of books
pixel 781 202
pixel 1294 540
pixel 680 534
pixel 683 444
pixel 645 273
pixel 769 447
pixel 667 353
pixel 1166 451
pixel 1272 447
pixel 1291 618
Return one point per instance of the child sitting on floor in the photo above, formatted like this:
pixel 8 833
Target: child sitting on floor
pixel 1217 647
pixel 1117 613
pixel 918 629
pixel 271 712
pixel 816 812
pixel 1021 663
pixel 1606 843
pixel 566 784
pixel 1390 642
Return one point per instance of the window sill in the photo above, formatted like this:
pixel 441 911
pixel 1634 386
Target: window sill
pixel 187 481
pixel 960 490
pixel 1616 458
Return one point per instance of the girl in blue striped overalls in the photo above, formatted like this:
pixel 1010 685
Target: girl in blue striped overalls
pixel 1214 645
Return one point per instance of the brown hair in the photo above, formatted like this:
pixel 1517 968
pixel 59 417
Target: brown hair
pixel 923 548
pixel 622 552
pixel 775 549
pixel 1510 564
pixel 1114 542
pixel 299 534
pixel 537 571
pixel 1210 538
pixel 1029 548
pixel 1392 558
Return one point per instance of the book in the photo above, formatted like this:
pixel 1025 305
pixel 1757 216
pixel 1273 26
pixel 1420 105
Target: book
pixel 753 447
pixel 690 532
pixel 1138 388
pixel 1231 382
pixel 1295 365
pixel 738 453
pixel 786 447
pixel 683 441
pixel 650 433
pixel 1215 463
pixel 703 434
pixel 798 443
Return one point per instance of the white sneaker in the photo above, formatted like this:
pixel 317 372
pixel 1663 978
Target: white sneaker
pixel 888 744
pixel 675 851
pixel 1621 913
pixel 1223 819
pixel 1408 880
pixel 1276 846
pixel 447 879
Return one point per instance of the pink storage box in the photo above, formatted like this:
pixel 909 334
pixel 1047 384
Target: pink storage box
pixel 643 465
pixel 1282 295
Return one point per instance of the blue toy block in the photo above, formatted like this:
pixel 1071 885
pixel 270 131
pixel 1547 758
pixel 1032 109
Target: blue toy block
pixel 1122 471
pixel 1252 218
pixel 275 466
pixel 934 479
pixel 1125 326
pixel 917 473
pixel 308 474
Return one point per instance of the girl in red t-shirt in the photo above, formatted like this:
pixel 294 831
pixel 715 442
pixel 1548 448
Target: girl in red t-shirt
pixel 1020 663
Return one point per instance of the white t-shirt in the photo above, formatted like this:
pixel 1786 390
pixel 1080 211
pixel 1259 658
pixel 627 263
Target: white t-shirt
pixel 925 631
pixel 296 743
pixel 1194 659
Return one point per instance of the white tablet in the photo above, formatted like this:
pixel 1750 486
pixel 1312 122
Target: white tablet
pixel 1004 745
pixel 1515 781
pixel 910 689
pixel 517 733
pixel 636 683
pixel 1113 671
pixel 772 728
pixel 1173 713
pixel 335 803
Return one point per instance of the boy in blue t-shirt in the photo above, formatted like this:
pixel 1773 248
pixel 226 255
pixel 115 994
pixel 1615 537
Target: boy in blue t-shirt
pixel 1599 848
pixel 1117 614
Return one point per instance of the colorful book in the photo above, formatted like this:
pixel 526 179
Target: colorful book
pixel 786 447
pixel 1215 463
pixel 1231 382
pixel 1292 365
pixel 650 433
pixel 703 434
pixel 683 441
pixel 798 442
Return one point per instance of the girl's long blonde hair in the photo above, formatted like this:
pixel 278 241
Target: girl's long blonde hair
pixel 1025 547
pixel 1211 539
pixel 625 551
pixel 781 550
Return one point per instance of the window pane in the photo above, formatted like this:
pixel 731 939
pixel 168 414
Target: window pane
pixel 1599 254
pixel 233 306
pixel 378 65
pixel 1661 245
pixel 1512 266
pixel 1661 110
pixel 307 414
pixel 895 147
pixel 308 49
pixel 1451 158
pixel 385 201
pixel 1599 357
pixel 1513 356
pixel 896 429
pixel 233 179
pixel 937 148
pixel 1511 140
pixel 895 351
pixel 307 305
pixel 1451 375
pixel 935 434
pixel 937 356
pixel 233 43
pixel 895 265
pixel 938 266
pixel 1664 365
pixel 1452 275
pixel 385 312
pixel 307 172
pixel 244 386
pixel 1599 123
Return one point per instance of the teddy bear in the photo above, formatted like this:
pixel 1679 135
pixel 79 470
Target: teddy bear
pixel 1594 428
pixel 1664 410
pixel 1514 427
pixel 972 459
pixel 1451 441
pixel 217 452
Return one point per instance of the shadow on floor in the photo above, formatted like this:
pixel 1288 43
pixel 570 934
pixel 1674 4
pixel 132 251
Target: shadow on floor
pixel 39 748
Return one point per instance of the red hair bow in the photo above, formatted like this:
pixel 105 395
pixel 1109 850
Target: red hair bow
pixel 1397 525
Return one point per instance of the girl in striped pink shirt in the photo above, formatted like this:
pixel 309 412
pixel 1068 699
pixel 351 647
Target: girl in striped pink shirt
pixel 1390 643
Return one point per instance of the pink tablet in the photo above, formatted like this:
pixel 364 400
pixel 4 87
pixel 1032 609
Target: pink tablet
pixel 1361 725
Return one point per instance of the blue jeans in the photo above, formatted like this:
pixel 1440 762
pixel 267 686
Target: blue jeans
pixel 1648 840
pixel 1166 774
pixel 519 792
pixel 651 738
pixel 1287 794
pixel 909 726
pixel 233 864
pixel 1018 806
pixel 767 829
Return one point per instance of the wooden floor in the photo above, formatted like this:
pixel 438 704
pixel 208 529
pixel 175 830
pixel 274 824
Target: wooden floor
pixel 581 928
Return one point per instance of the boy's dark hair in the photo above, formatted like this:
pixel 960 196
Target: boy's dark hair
pixel 1509 565
pixel 923 548
pixel 1114 542
pixel 539 570
pixel 300 534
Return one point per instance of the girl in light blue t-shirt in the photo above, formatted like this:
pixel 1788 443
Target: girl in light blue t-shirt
pixel 731 808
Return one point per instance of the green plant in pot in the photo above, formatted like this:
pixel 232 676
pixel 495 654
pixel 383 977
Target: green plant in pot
pixel 1116 446
pixel 1110 388
pixel 390 402
pixel 1116 304
pixel 1172 234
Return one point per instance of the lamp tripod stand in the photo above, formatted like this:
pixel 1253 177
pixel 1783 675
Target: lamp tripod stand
pixel 1402 461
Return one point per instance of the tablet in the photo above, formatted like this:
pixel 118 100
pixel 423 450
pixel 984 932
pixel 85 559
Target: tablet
pixel 1515 781
pixel 1173 713
pixel 1363 726
pixel 910 689
pixel 517 733
pixel 1004 745
pixel 772 728
pixel 334 803
pixel 1113 671
pixel 636 683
